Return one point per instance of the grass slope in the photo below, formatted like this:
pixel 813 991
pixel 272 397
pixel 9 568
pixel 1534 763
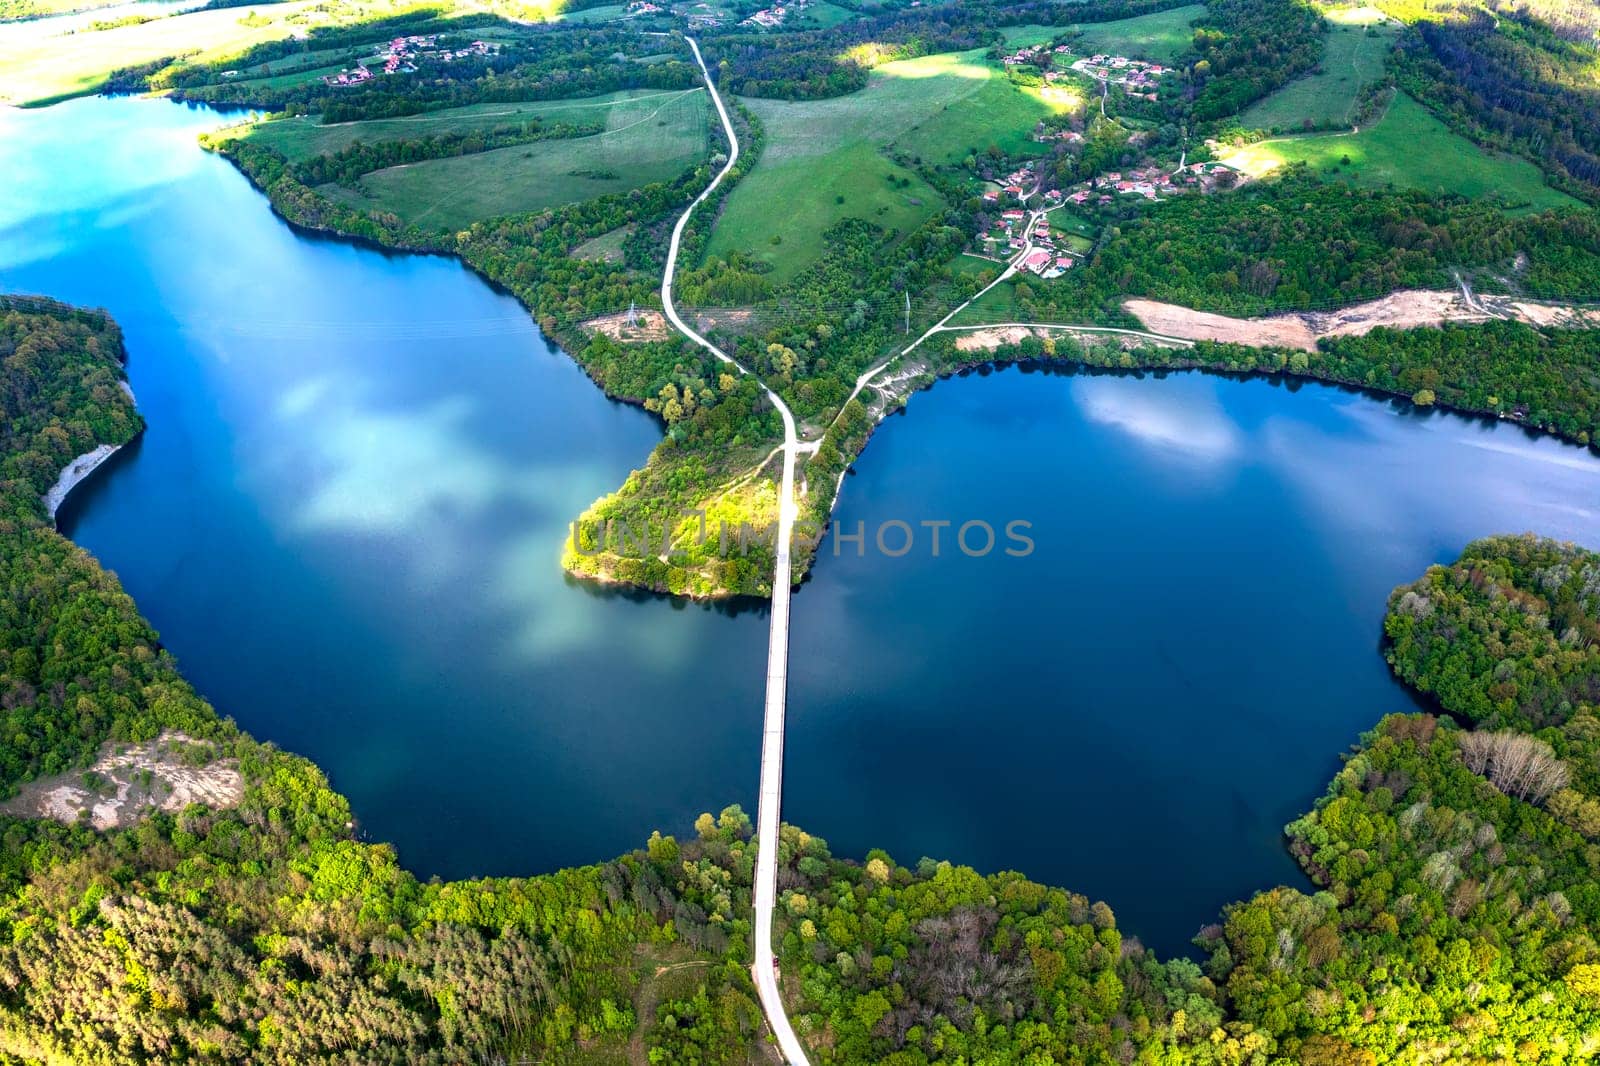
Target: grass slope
pixel 37 65
pixel 1353 58
pixel 1408 148
pixel 824 159
pixel 302 138
pixel 1162 36
pixel 648 139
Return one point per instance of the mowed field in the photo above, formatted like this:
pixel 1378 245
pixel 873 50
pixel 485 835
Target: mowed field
pixel 1353 58
pixel 1162 36
pixel 652 138
pixel 1408 147
pixel 825 160
pixel 303 137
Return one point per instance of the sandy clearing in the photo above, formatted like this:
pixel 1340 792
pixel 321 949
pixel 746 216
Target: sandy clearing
pixel 134 779
pixel 1410 309
pixel 651 326
pixel 1540 314
pixel 1399 310
pixel 1175 321
pixel 987 340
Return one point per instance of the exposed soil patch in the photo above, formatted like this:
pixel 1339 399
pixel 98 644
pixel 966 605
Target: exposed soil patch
pixel 1400 310
pixel 648 326
pixel 732 321
pixel 987 340
pixel 129 781
pixel 1286 331
pixel 1537 314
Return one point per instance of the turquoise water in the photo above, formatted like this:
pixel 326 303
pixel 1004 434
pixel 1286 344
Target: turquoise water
pixel 347 513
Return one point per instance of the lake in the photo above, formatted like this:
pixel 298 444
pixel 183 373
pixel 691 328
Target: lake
pixel 346 519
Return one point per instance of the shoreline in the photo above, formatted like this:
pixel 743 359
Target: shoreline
pixel 569 342
pixel 74 474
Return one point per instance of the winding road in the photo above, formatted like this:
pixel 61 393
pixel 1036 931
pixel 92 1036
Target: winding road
pixel 771 793
pixel 770 797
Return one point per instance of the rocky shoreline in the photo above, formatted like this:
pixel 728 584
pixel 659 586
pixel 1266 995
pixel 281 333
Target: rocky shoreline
pixel 73 475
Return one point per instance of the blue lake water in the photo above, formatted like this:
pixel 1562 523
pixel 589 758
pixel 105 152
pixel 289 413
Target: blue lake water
pixel 346 518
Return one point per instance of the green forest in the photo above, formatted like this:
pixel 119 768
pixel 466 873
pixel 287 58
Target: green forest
pixel 1454 862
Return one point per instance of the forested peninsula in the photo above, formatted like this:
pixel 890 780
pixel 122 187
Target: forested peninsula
pixel 1453 860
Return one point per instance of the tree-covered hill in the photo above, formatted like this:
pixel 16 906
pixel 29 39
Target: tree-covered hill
pixel 1456 855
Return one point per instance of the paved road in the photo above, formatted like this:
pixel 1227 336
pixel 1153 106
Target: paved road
pixel 771 794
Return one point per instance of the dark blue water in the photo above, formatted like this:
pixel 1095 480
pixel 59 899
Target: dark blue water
pixel 346 520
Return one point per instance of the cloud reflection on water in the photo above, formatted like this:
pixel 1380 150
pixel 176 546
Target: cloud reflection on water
pixel 1191 427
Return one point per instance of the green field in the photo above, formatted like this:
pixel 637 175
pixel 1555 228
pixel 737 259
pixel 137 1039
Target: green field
pixel 1353 58
pixel 39 64
pixel 1160 37
pixel 301 68
pixel 289 78
pixel 937 108
pixel 605 248
pixel 1407 147
pixel 606 13
pixel 652 138
pixel 302 138
pixel 36 67
pixel 823 15
pixel 32 9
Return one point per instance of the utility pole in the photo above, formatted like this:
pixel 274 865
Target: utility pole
pixel 908 312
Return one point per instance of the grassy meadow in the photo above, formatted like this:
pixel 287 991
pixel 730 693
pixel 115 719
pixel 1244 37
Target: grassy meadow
pixel 1353 58
pixel 823 15
pixel 650 137
pixel 1160 37
pixel 301 138
pixel 825 160
pixel 29 9
pixel 1407 147
pixel 39 64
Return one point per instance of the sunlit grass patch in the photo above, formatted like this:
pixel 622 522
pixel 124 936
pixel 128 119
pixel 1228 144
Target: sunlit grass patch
pixel 1409 148
pixel 1162 36
pixel 826 160
pixel 36 66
